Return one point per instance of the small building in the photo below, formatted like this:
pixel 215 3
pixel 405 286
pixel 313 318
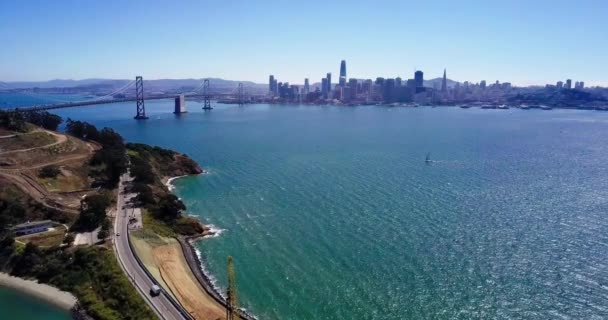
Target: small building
pixel 32 227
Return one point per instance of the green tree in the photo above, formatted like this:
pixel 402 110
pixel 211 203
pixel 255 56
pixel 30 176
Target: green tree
pixel 69 239
pixel 103 234
pixel 50 171
pixel 169 207
pixel 93 211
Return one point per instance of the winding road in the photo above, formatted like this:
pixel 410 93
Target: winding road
pixel 126 257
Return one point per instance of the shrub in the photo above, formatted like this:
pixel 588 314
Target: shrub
pixel 50 171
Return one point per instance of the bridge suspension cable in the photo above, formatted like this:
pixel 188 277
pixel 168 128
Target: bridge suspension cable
pixel 111 94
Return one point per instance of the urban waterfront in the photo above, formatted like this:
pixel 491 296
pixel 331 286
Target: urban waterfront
pixel 332 212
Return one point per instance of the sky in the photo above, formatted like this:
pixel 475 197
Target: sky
pixel 530 42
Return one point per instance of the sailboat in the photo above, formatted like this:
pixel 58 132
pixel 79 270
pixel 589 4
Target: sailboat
pixel 428 158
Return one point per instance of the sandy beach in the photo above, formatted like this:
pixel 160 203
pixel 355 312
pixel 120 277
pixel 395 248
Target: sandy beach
pixel 62 299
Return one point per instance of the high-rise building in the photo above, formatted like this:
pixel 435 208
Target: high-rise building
pixel 569 84
pixel 444 83
pixel 352 84
pixel 581 85
pixel 389 93
pixel 343 73
pixel 411 84
pixel 270 82
pixel 324 87
pixel 306 86
pixel 419 79
pixel 482 84
pixel 398 82
pixel 559 84
pixel 329 88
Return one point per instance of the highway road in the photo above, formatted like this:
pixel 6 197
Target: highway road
pixel 160 304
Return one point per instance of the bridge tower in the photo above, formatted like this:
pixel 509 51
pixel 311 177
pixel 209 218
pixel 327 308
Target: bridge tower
pixel 139 93
pixel 206 95
pixel 240 94
pixel 231 300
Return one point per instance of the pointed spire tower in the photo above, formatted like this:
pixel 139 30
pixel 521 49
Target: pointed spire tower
pixel 444 82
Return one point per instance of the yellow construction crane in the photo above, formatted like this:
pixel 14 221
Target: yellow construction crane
pixel 231 300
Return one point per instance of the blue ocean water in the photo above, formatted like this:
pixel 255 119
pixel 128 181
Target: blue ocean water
pixel 332 212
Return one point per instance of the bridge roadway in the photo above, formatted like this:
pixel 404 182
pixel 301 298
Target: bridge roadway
pixel 95 102
pixel 161 305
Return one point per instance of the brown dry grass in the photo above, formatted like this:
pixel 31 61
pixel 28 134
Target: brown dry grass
pixel 177 275
pixel 28 140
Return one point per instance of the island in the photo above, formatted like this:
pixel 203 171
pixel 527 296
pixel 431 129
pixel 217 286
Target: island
pixel 66 198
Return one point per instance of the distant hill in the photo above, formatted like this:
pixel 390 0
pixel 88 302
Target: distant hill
pixel 149 85
pixel 164 85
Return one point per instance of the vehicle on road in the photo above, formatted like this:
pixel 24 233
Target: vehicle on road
pixel 155 290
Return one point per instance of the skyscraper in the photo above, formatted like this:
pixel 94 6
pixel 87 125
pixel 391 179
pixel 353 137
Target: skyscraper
pixel 329 88
pixel 482 84
pixel 324 87
pixel 419 79
pixel 271 89
pixel 444 83
pixel 306 86
pixel 569 84
pixel 352 84
pixel 559 84
pixel 343 73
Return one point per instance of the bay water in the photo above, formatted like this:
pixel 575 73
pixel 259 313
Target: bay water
pixel 333 213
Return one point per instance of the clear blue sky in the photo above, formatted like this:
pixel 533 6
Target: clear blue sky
pixel 525 42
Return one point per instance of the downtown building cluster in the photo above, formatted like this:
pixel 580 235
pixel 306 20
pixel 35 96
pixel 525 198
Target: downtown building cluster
pixel 568 85
pixel 416 90
pixel 381 90
pixel 349 90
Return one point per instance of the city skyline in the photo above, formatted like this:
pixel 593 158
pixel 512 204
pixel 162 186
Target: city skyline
pixel 239 40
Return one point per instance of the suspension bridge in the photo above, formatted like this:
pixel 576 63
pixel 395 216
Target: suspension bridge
pixel 204 91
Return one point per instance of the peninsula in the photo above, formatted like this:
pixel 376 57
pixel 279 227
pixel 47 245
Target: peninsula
pixel 66 199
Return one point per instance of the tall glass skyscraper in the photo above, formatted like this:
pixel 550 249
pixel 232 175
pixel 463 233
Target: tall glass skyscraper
pixel 343 73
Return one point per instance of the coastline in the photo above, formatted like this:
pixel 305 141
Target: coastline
pixel 47 293
pixel 195 263
pixel 168 182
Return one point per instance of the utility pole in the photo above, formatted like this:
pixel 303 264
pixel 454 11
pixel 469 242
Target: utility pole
pixel 232 300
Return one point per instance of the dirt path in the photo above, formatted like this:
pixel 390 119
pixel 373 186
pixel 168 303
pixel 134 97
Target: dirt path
pixel 44 164
pixel 34 190
pixel 20 176
pixel 60 138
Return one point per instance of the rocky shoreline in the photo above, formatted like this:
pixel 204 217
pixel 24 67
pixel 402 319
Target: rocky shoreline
pixel 195 264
